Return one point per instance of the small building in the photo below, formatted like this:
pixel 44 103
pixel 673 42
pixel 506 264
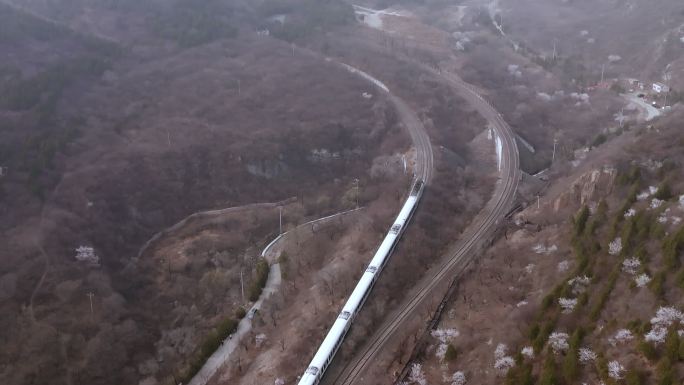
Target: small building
pixel 660 87
pixel 634 84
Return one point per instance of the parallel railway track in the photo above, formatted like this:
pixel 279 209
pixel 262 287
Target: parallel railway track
pixel 458 257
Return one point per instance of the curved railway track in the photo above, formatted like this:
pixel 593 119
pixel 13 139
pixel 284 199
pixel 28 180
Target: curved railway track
pixel 458 256
pixel 419 137
pixel 422 172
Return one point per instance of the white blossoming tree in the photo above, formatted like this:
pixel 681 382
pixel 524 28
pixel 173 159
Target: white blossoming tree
pixel 615 247
pixel 642 280
pixel 621 336
pixel 567 304
pixel 664 318
pixel 586 355
pixel 615 370
pixel 631 265
pixel 502 362
pixel 500 350
pixel 579 284
pixel 440 352
pixel 417 376
pixel 559 342
pixel 563 266
pixel 87 255
pixel 444 335
pixel 656 335
pixel 527 351
pixel 458 378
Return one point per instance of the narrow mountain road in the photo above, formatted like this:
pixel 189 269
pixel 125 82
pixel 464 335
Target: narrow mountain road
pixel 458 256
pixel 648 111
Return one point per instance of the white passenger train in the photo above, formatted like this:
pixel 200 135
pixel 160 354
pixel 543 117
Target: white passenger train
pixel 339 329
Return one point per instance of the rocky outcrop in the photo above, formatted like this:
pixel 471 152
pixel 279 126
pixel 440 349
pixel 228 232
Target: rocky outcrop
pixel 587 189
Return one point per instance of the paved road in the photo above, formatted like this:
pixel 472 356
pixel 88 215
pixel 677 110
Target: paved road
pixel 459 255
pixel 271 253
pixel 424 166
pixel 228 346
pixel 650 112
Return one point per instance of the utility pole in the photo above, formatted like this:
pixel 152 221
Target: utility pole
pixel 280 210
pixel 242 286
pixel 554 50
pixel 553 155
pixel 90 295
pixel 603 69
pixel 356 181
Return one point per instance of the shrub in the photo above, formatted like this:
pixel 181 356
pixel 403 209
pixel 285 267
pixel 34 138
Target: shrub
pixel 544 334
pixel 602 367
pixel 576 338
pixel 314 17
pixel 617 88
pixel 240 313
pixel 580 220
pixel 664 191
pixel 583 299
pixel 604 294
pixel 599 140
pixel 629 201
pixel 672 345
pixel 647 350
pixel 635 326
pixel 190 24
pixel 601 210
pixel 534 331
pixel 451 353
pixel 634 377
pixel 592 226
pixel 548 374
pixel 628 231
pixel 658 231
pixel 520 375
pixel 225 328
pixel 208 346
pixel 657 285
pixel 631 176
pixel 679 278
pixel 672 246
pixel 642 223
pixel 664 372
pixel 641 254
pixel 284 262
pixel 570 366
pixel 260 279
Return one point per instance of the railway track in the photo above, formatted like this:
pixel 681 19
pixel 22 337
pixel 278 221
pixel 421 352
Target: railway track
pixel 458 257
pixel 419 137
pixel 422 172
